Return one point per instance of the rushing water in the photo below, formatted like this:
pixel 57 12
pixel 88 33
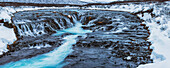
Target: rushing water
pixel 54 58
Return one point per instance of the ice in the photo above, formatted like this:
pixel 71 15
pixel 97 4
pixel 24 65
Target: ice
pixel 127 8
pixel 46 1
pixel 39 46
pixel 80 2
pixel 161 50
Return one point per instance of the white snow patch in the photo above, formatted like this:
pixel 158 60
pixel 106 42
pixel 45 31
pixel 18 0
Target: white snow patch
pixel 99 1
pixel 7 36
pixel 39 46
pixel 161 46
pixel 159 38
pixel 128 58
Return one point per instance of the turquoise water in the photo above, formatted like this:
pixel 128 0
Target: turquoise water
pixel 54 58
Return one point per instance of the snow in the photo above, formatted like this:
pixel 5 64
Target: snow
pixel 99 1
pixel 127 8
pixel 5 14
pixel 7 36
pixel 161 46
pixel 39 46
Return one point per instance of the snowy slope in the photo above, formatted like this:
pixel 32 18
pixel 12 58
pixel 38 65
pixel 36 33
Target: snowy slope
pixel 160 36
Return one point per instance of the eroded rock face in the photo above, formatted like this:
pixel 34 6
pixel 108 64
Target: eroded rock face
pixel 116 36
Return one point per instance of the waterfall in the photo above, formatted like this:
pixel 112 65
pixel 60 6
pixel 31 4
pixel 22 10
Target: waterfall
pixel 54 58
pixel 34 26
